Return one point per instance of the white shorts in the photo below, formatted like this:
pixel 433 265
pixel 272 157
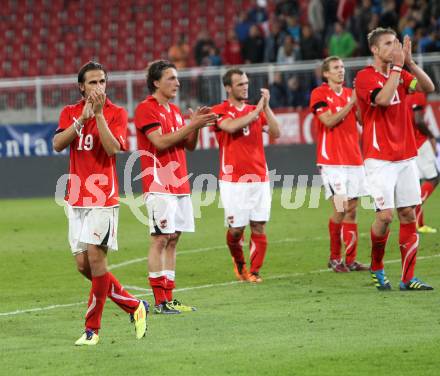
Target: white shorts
pixel 244 202
pixel 169 213
pixel 97 226
pixel 347 181
pixel 393 184
pixel 426 161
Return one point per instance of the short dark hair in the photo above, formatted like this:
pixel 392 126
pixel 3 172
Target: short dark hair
pixel 89 66
pixel 227 77
pixel 374 35
pixel 155 71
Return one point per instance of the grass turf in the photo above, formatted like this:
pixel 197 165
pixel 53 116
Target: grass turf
pixel 303 320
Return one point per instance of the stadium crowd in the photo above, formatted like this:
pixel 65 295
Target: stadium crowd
pixel 294 31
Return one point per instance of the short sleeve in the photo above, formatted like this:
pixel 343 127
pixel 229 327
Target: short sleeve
pixel 146 119
pixel 65 120
pixel 221 112
pixel 263 118
pixel 366 86
pixel 318 103
pixel 119 128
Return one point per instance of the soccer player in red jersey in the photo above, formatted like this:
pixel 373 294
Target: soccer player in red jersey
pixel 244 179
pixel 340 161
pixel 389 149
pixel 163 137
pixel 426 156
pixel 95 130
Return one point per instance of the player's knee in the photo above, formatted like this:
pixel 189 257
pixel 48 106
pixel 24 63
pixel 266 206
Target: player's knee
pixel 236 232
pixel 386 217
pixel 84 270
pixel 258 227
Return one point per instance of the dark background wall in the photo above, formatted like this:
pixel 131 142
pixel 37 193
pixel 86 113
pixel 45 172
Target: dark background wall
pixel 37 176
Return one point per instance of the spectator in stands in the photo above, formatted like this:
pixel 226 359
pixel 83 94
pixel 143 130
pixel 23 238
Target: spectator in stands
pixel 361 25
pixel 287 8
pixel 310 46
pixel 179 52
pixel 315 15
pixel 257 14
pixel 434 42
pixel 242 27
pixel 296 96
pixel 232 51
pixel 341 43
pixel 278 91
pixel 273 42
pixel 293 28
pixel 289 51
pixel 202 47
pixel 213 58
pixel 253 48
pixel 389 17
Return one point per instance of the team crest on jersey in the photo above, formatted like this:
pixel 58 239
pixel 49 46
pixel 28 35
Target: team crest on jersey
pixel 380 202
pixel 179 119
pixel 231 220
pixel 163 223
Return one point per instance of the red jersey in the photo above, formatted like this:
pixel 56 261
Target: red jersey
pixel 338 145
pixel 162 171
pixel 242 152
pixel 417 102
pixel 387 130
pixel 93 181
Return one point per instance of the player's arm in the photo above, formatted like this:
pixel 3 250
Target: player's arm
pixel 331 120
pixel 233 125
pixel 424 83
pixel 65 137
pixel 272 122
pixel 108 140
pixel 191 140
pixel 383 97
pixel 420 122
pixel 164 141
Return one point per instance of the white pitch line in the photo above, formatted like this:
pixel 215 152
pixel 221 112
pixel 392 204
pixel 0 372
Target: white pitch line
pixel 148 292
pixel 206 249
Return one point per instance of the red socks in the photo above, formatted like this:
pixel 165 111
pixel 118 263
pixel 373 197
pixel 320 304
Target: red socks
pixel 121 297
pixel 158 285
pixel 409 241
pixel 350 238
pixel 378 244
pixel 334 230
pixel 98 295
pixel 235 247
pixel 169 287
pixel 257 246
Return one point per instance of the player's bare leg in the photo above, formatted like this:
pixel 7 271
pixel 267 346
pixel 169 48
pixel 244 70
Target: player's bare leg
pixel 335 232
pixel 409 242
pixel 258 247
pixel 427 187
pixel 234 240
pixel 350 237
pixel 169 262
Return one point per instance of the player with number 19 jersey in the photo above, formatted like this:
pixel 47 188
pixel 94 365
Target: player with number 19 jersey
pixel 236 148
pixel 99 189
pixel 388 132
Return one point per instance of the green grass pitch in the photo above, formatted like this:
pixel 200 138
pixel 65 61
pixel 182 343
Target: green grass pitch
pixel 303 320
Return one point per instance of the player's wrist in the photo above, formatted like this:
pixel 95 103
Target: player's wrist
pixel 397 68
